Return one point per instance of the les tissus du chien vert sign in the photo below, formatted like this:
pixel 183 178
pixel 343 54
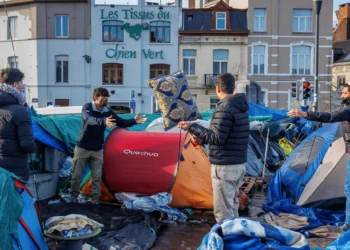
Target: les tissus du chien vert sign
pixel 119 52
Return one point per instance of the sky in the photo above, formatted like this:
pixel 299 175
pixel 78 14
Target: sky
pixel 336 7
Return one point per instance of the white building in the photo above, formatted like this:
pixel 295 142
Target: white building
pixel 129 45
pixel 49 49
pixel 73 47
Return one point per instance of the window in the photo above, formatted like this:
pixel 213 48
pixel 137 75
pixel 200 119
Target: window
pixel 220 20
pixel 112 73
pixel 301 60
pixel 11 61
pixel 113 31
pixel 260 20
pixel 12 28
pixel 302 20
pixel 189 17
pixel 62 24
pixel 61 69
pixel 259 60
pixel 213 101
pixel 189 61
pixel 160 32
pixel 340 80
pixel 220 58
pixel 62 102
pixel 157 70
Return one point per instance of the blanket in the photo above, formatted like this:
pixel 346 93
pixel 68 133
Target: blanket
pixel 242 234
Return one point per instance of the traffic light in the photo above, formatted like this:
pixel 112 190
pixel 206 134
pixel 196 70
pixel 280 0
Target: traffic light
pixel 294 89
pixel 306 90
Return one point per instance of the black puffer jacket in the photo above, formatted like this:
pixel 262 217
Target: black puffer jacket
pixel 342 115
pixel 16 136
pixel 228 134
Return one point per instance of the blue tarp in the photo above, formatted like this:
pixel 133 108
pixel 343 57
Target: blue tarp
pixel 242 234
pixel 45 138
pixel 288 183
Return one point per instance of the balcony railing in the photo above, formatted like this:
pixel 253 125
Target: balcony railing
pixel 210 80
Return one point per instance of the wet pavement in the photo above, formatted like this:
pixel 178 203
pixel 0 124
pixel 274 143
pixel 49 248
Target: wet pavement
pixel 189 235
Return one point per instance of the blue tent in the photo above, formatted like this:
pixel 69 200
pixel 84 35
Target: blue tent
pixel 289 182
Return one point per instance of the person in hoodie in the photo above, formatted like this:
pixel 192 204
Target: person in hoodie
pixel 16 136
pixel 96 115
pixel 227 137
pixel 343 116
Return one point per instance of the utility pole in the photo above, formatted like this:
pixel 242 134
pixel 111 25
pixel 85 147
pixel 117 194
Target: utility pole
pixel 317 7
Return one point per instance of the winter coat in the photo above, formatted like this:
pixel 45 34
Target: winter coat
pixel 16 136
pixel 228 134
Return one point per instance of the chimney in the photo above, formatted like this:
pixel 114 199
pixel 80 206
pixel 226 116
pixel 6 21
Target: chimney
pixel 343 12
pixel 191 4
pixel 342 31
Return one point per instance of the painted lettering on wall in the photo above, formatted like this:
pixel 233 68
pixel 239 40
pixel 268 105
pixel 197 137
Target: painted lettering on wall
pixel 122 53
pixel 132 14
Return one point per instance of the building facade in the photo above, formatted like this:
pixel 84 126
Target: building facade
pixel 131 44
pixel 212 41
pixel 282 49
pixel 50 39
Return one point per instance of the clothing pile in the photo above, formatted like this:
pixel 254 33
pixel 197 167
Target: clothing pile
pixel 158 202
pixel 72 225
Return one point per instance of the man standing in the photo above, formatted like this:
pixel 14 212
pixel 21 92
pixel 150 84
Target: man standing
pixel 228 137
pixel 343 116
pixel 16 136
pixel 95 117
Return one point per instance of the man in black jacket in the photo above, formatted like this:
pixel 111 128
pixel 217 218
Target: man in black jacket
pixel 228 137
pixel 343 116
pixel 95 117
pixel 16 136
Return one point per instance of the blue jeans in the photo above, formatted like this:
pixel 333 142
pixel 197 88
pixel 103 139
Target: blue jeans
pixel 347 193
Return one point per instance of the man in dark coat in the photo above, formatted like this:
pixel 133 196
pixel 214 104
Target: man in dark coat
pixel 343 116
pixel 16 136
pixel 95 117
pixel 228 137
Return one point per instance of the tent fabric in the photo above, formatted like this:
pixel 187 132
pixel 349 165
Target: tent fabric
pixel 289 182
pixel 188 180
pixel 66 129
pixel 44 137
pixel 31 218
pixel 11 207
pixel 343 242
pixel 242 234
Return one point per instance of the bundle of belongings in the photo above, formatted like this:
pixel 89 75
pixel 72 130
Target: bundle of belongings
pixel 72 225
pixel 242 234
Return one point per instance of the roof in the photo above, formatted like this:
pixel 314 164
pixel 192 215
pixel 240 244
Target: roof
pixel 23 2
pixel 343 59
pixel 344 45
pixel 202 20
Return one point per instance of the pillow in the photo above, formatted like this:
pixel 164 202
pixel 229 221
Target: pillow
pixel 174 99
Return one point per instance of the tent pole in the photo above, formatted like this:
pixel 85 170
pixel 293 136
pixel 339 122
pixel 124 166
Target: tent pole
pixel 267 144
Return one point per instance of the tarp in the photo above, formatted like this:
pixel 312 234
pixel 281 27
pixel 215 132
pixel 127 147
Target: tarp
pixel 61 132
pixel 242 234
pixel 66 129
pixel 289 182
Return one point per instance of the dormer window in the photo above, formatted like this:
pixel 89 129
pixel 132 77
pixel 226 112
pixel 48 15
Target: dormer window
pixel 220 20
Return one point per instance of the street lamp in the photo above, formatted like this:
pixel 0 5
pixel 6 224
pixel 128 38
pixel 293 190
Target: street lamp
pixel 317 7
